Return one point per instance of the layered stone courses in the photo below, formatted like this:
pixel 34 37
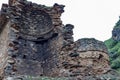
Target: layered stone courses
pixel 34 42
pixel 84 57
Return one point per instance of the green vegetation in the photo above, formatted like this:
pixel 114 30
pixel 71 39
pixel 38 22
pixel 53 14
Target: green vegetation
pixel 44 78
pixel 114 53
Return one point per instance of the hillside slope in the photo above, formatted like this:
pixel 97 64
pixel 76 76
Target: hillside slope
pixel 113 45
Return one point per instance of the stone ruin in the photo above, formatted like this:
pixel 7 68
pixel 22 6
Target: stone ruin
pixel 32 38
pixel 34 42
pixel 85 57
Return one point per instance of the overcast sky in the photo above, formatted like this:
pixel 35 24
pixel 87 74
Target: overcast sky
pixel 91 18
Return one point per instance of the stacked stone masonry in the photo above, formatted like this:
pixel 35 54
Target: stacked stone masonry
pixel 84 57
pixel 35 38
pixel 34 42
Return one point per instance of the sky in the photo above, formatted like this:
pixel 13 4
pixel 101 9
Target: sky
pixel 91 18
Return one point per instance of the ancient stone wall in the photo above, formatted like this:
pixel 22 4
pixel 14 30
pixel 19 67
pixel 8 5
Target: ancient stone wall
pixel 34 42
pixel 85 57
pixel 35 38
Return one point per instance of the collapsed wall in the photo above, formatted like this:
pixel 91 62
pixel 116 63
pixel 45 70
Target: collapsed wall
pixel 34 42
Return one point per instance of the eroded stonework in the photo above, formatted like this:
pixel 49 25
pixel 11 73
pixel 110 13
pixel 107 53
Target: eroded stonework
pixel 84 57
pixel 36 23
pixel 34 42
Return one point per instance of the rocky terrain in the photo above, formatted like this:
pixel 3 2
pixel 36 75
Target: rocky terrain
pixel 35 45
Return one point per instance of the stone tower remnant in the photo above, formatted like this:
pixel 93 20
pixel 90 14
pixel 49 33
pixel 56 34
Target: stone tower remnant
pixel 85 57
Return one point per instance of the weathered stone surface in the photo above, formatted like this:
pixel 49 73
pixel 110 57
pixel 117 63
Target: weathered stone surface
pixel 68 34
pixel 86 44
pixel 34 42
pixel 116 32
pixel 3 17
pixel 86 57
pixel 3 48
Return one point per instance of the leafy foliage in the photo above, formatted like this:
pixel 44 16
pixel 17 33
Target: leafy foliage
pixel 114 53
pixel 115 63
pixel 44 78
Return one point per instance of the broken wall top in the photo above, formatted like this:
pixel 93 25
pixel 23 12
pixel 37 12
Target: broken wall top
pixel 33 34
pixel 91 44
pixel 30 18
